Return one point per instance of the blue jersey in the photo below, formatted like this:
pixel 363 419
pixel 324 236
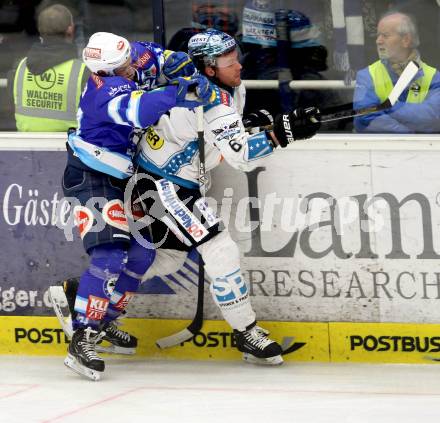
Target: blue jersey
pixel 110 107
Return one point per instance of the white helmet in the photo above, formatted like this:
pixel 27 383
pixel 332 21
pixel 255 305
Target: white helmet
pixel 106 52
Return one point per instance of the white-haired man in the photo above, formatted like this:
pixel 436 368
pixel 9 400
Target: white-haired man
pixel 418 108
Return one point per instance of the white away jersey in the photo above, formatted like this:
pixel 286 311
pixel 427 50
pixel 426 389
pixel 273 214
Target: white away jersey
pixel 170 148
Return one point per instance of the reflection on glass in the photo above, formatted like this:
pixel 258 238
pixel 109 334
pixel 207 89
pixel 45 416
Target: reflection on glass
pixel 21 37
pixel 325 40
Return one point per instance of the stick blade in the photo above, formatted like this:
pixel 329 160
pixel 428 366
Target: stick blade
pixel 175 339
pixel 58 299
pixel 404 80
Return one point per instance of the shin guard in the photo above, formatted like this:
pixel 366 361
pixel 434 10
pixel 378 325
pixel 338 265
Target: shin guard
pixel 229 290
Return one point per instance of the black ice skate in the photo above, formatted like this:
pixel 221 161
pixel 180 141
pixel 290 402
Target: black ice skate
pixel 81 354
pixel 256 347
pixel 121 342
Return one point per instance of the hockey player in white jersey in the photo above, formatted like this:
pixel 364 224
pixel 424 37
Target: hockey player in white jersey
pixel 167 178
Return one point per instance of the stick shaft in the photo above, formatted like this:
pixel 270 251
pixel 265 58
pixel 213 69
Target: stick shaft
pixel 197 322
pixel 198 319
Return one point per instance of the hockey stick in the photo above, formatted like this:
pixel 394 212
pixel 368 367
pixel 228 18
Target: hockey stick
pixel 404 80
pixel 197 322
pixel 341 112
pixel 57 297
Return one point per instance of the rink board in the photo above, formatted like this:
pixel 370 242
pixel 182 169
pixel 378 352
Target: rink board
pixel 43 336
pixel 311 341
pixel 346 228
pixel 384 342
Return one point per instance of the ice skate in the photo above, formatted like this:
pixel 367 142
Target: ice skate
pixel 256 347
pixel 81 354
pixel 121 342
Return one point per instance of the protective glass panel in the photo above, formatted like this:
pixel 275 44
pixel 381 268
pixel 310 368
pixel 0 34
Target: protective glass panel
pixel 23 25
pixel 325 46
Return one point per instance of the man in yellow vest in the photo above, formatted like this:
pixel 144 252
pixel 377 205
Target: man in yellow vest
pixel 418 108
pixel 48 82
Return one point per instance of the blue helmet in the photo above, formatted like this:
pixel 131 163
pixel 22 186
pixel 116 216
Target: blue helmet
pixel 206 46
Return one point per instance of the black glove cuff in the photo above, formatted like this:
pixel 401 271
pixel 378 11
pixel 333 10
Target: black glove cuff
pixel 282 130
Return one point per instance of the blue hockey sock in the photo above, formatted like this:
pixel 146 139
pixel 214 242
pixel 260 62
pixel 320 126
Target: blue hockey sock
pixel 97 284
pixel 139 260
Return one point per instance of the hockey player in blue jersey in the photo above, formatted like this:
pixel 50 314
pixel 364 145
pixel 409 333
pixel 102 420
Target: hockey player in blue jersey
pixel 169 162
pixel 119 97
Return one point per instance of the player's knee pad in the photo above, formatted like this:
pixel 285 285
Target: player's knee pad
pixel 166 261
pixel 139 259
pixel 220 254
pixel 107 261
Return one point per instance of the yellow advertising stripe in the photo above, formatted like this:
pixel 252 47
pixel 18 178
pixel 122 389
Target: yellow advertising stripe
pixel 30 335
pixel 384 342
pixel 337 342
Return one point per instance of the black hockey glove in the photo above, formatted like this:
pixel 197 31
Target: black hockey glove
pixel 257 119
pixel 297 125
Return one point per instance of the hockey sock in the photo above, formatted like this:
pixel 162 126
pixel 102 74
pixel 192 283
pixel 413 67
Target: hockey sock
pixel 139 259
pixel 96 285
pixel 229 289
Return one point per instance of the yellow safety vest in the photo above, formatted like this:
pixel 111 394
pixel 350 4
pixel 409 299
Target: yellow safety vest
pixel 47 102
pixel 383 85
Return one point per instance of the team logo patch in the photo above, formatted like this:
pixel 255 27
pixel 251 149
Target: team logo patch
pixel 125 299
pixel 209 215
pixel 230 290
pixel 153 139
pixel 179 211
pixel 142 60
pixel 109 286
pixel 96 307
pixel 227 131
pixel 225 98
pixel 92 53
pixel 114 215
pixel 97 80
pixel 83 218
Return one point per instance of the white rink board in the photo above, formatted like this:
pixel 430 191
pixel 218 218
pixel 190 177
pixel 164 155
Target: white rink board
pixel 325 268
pixel 328 269
pixel 299 284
